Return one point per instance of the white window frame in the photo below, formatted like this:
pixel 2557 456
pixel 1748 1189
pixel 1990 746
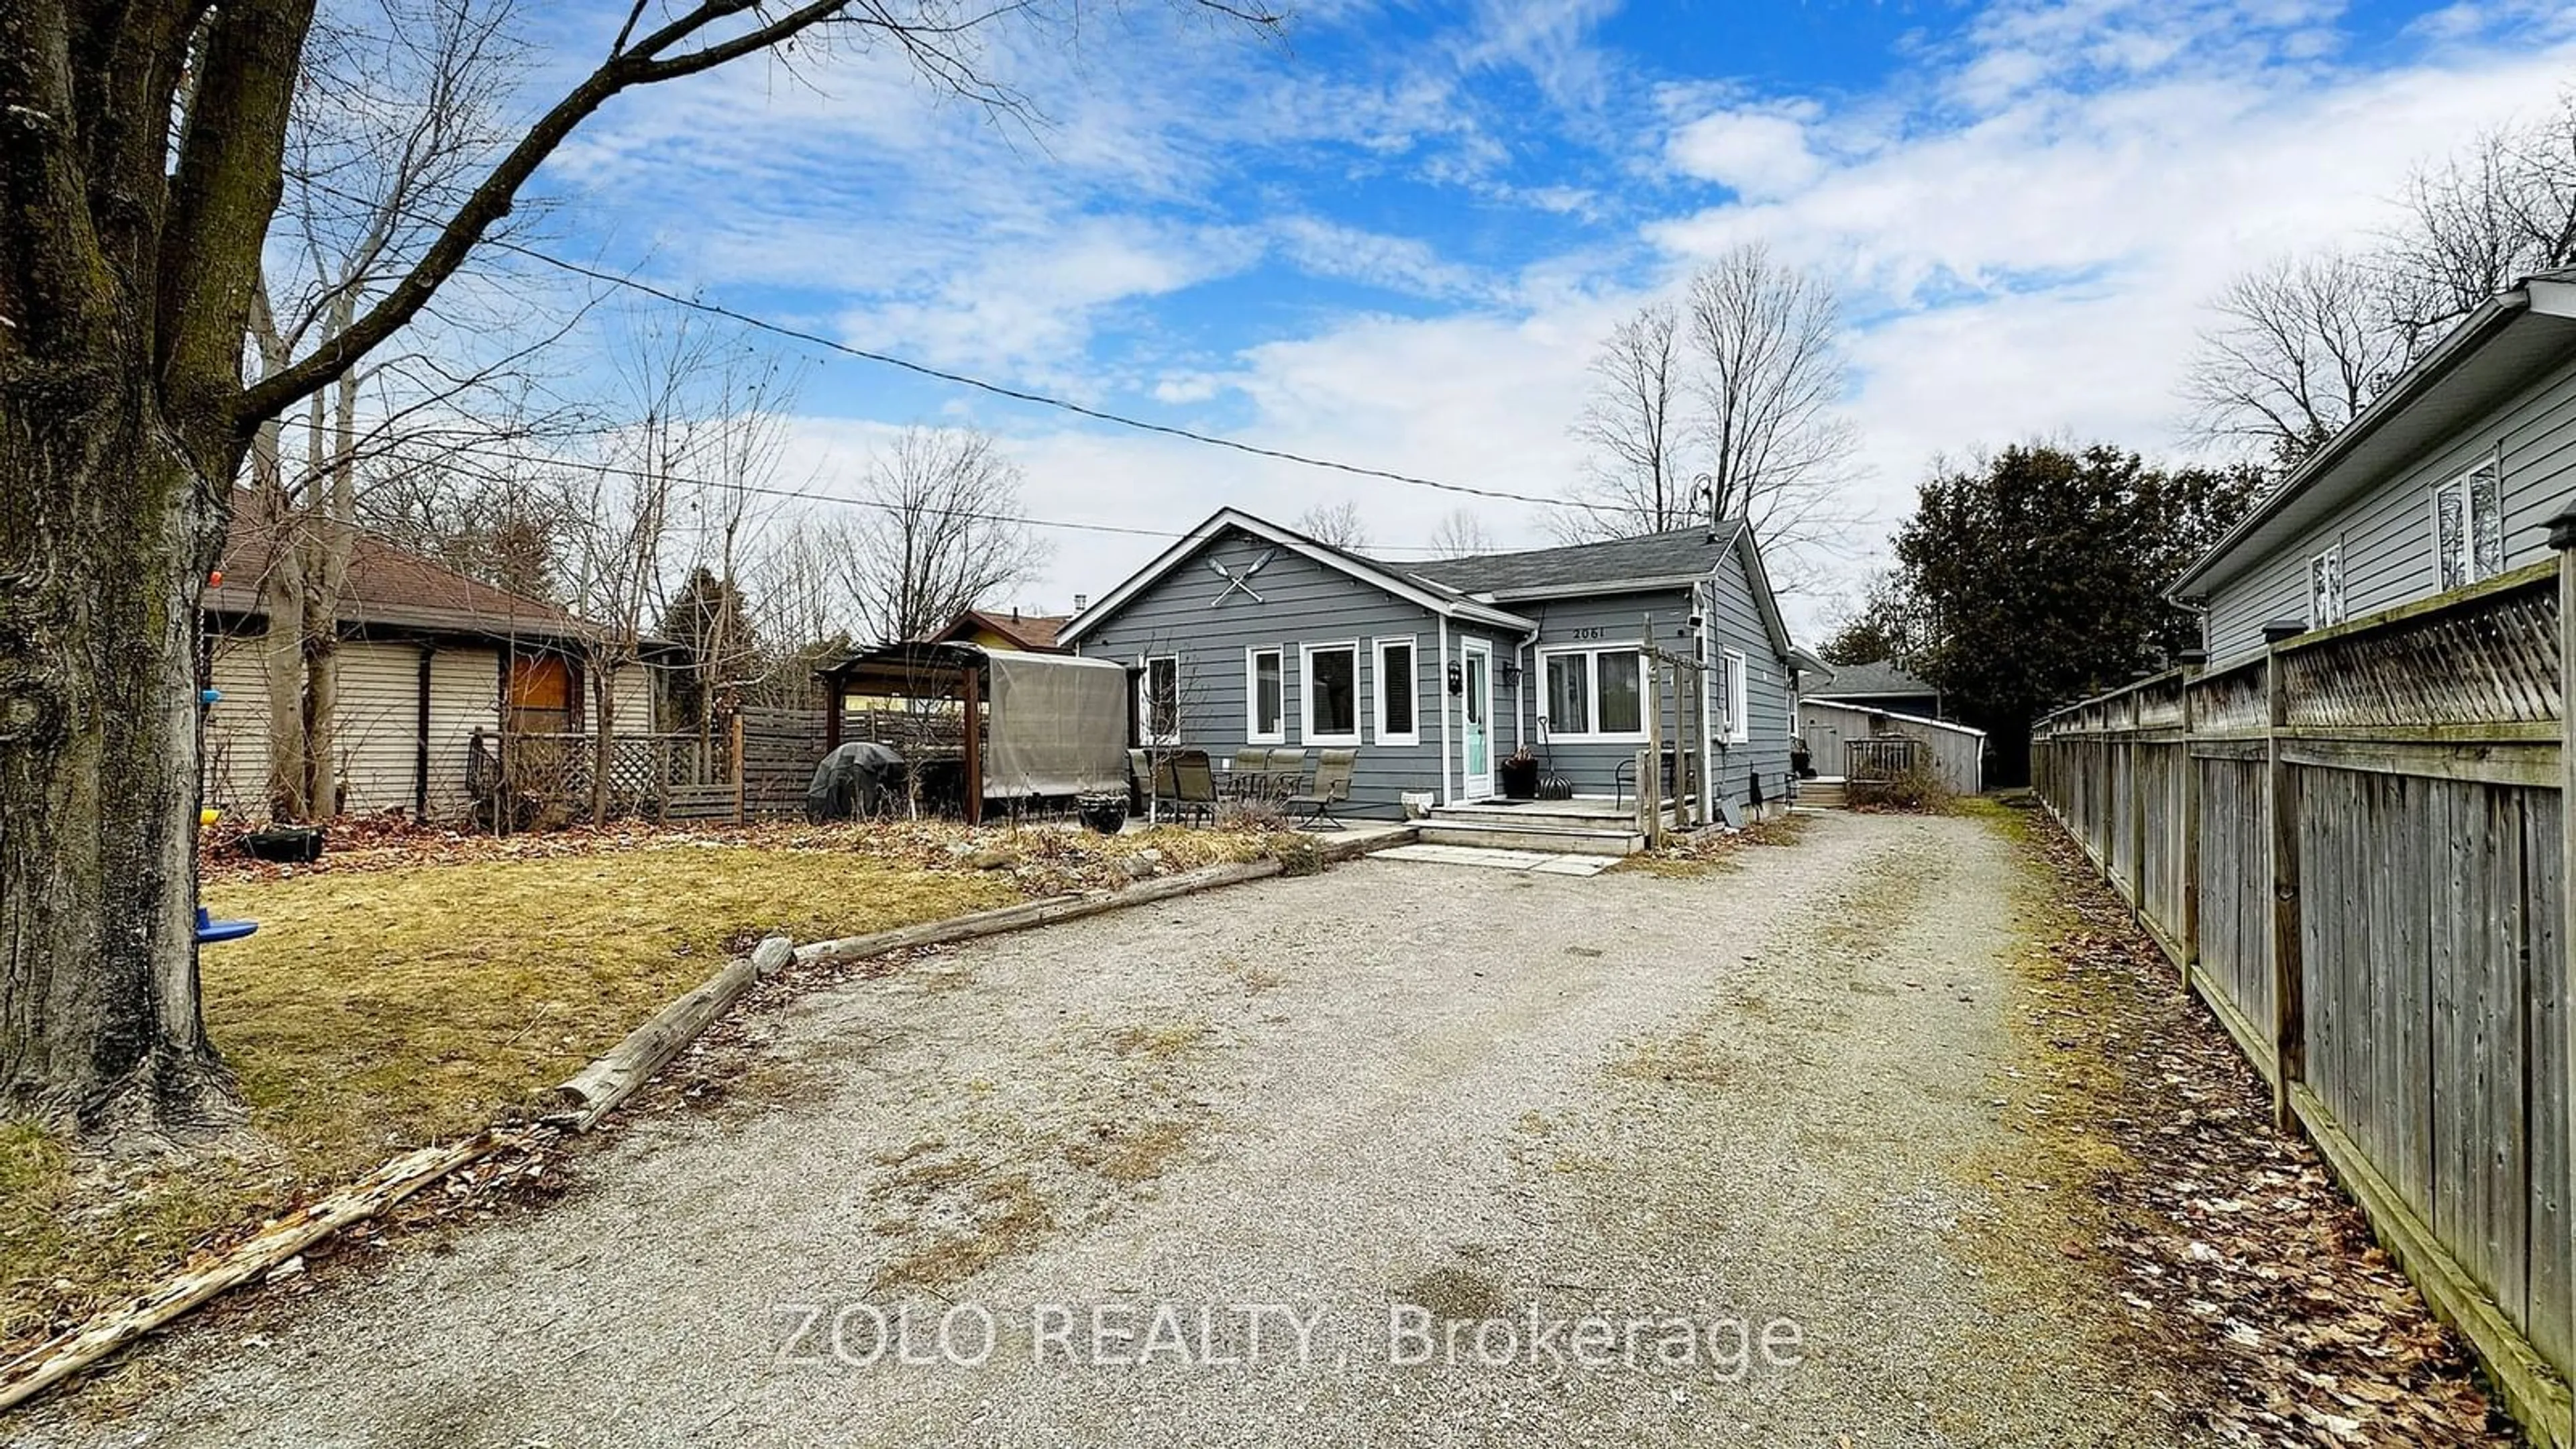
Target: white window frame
pixel 1307 733
pixel 1411 680
pixel 2322 612
pixel 1253 733
pixel 2464 480
pixel 1591 653
pixel 1145 700
pixel 1738 680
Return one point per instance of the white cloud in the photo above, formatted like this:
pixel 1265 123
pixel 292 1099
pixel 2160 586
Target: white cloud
pixel 1757 154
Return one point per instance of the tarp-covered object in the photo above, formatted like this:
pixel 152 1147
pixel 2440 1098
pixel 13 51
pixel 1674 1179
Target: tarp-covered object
pixel 856 780
pixel 1059 726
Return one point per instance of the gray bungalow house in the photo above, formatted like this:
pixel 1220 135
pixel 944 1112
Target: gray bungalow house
pixel 1254 634
pixel 2449 477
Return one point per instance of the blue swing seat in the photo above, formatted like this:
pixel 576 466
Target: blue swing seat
pixel 210 931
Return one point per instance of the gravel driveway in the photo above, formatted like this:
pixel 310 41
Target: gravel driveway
pixel 1402 1153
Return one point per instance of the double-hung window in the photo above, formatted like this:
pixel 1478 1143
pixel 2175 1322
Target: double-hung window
pixel 1735 690
pixel 2325 588
pixel 2468 527
pixel 1398 686
pixel 1265 696
pixel 1594 694
pixel 1331 692
pixel 1161 705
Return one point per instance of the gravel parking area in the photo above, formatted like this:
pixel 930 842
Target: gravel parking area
pixel 1411 1153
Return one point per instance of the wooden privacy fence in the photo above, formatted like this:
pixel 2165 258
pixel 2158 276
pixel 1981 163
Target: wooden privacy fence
pixel 2353 845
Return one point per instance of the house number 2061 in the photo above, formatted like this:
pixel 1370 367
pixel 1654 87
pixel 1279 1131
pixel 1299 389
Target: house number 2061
pixel 1587 634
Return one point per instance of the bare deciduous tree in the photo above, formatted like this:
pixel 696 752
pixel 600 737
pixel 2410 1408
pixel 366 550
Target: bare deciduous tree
pixel 1338 524
pixel 2297 348
pixel 1638 420
pixel 1744 382
pixel 141 161
pixel 2479 222
pixel 1461 533
pixel 399 108
pixel 940 533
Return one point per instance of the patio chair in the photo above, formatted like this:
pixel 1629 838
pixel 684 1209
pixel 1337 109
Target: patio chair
pixel 1249 766
pixel 1142 781
pixel 1286 775
pixel 1194 784
pixel 1332 785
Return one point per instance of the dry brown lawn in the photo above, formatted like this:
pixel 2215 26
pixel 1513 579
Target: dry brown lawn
pixel 398 1001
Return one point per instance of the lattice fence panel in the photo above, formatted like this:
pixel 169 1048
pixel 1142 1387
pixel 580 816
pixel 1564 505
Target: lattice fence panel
pixel 2489 660
pixel 2229 701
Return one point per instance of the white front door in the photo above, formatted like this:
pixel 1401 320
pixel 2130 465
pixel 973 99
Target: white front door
pixel 1478 706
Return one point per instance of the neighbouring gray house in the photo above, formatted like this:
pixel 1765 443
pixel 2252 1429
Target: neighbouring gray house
pixel 2448 478
pixel 1878 684
pixel 1248 634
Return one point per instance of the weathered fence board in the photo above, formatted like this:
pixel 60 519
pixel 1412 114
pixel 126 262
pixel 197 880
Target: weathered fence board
pixel 2416 997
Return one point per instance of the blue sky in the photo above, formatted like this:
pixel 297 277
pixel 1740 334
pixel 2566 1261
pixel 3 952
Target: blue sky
pixel 1396 238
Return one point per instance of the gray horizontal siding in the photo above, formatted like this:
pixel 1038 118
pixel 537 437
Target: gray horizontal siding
pixel 2387 533
pixel 1738 624
pixel 1735 622
pixel 1304 603
pixel 1301 602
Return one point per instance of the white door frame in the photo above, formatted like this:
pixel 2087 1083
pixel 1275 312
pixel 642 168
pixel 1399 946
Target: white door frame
pixel 1476 666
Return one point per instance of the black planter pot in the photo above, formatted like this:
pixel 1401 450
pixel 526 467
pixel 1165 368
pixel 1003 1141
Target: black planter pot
pixel 1104 813
pixel 1520 779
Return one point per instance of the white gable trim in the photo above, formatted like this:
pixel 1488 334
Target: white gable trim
pixel 1451 606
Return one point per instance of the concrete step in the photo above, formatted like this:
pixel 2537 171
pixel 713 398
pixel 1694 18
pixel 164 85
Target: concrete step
pixel 1588 840
pixel 1546 815
pixel 1821 794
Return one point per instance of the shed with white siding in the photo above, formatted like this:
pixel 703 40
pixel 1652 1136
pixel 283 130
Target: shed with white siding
pixel 426 656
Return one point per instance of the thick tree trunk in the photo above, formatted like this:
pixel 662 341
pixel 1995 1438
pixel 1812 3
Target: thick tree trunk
pixel 109 528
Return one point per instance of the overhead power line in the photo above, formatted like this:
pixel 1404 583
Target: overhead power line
pixel 618 470
pixel 1017 394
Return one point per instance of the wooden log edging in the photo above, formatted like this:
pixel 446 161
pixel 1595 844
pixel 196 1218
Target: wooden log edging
pixel 66 1354
pixel 596 1089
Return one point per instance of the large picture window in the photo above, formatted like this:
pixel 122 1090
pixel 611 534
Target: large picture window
pixel 1331 690
pixel 2468 527
pixel 1398 699
pixel 1594 694
pixel 1161 706
pixel 1265 697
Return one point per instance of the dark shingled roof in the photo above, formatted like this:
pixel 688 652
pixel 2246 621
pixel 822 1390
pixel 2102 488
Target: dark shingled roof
pixel 1878 677
pixel 390 588
pixel 1618 560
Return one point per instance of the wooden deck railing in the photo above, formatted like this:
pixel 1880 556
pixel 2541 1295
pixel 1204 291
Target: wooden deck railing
pixel 2353 846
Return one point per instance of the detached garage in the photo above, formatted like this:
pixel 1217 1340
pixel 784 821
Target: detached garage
pixel 427 657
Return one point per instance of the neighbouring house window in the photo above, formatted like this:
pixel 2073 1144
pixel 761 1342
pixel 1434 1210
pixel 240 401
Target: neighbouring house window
pixel 1596 694
pixel 1735 680
pixel 1332 694
pixel 2468 527
pixel 1265 693
pixel 1398 683
pixel 1162 702
pixel 2325 588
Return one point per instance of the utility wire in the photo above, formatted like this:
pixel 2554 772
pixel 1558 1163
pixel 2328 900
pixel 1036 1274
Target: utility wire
pixel 1016 394
pixel 618 470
